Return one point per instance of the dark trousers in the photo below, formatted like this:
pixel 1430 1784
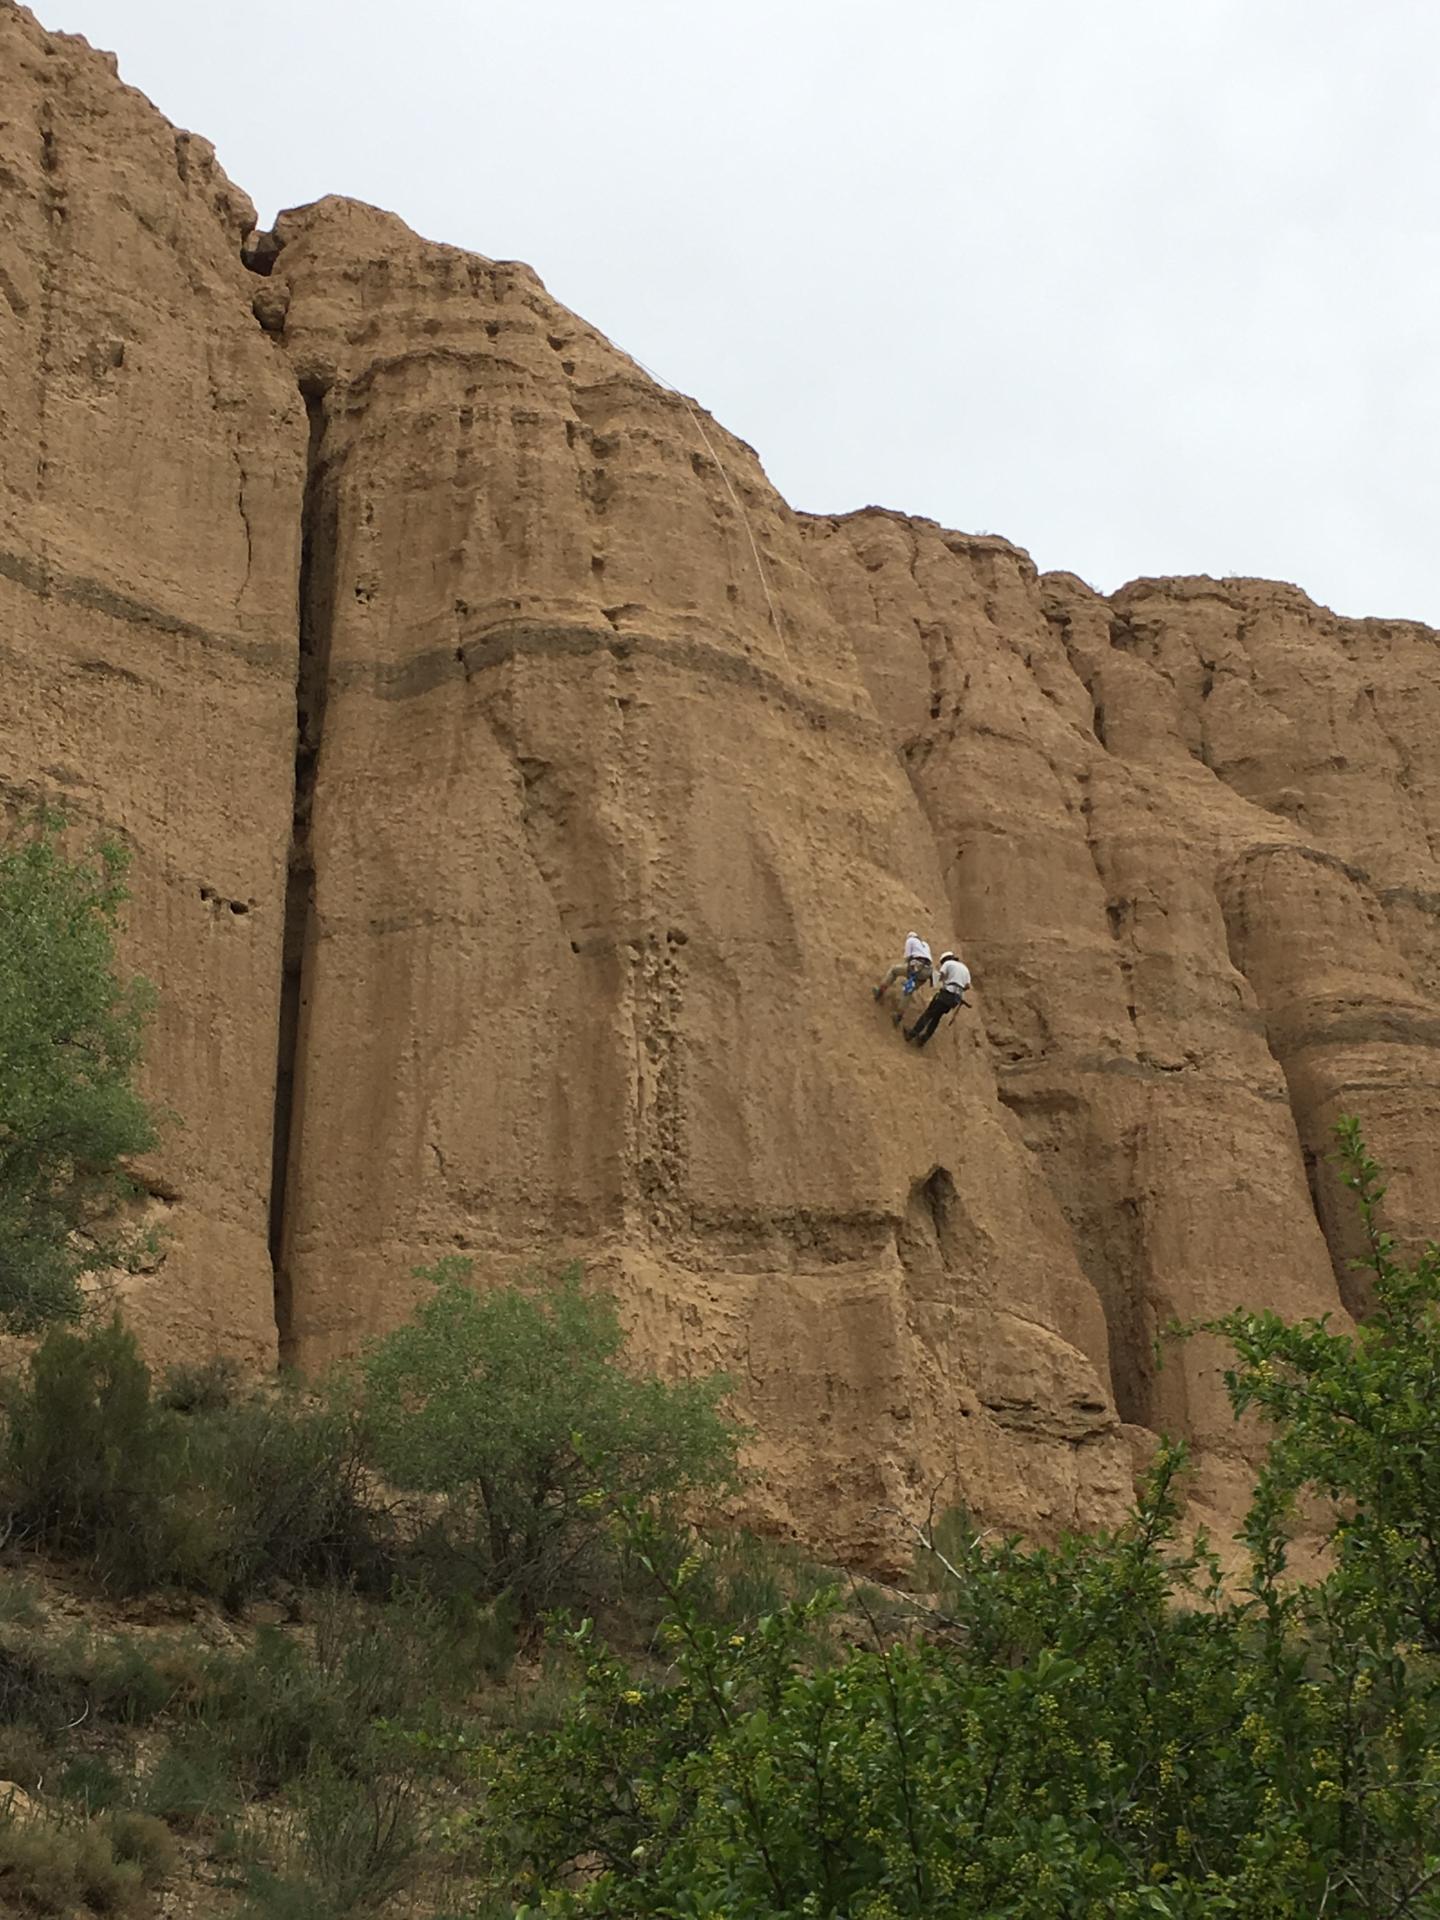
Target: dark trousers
pixel 940 1004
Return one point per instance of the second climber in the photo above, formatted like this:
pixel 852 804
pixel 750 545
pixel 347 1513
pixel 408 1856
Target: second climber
pixel 952 977
pixel 913 968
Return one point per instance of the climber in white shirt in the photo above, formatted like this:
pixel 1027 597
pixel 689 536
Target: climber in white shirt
pixel 952 977
pixel 913 968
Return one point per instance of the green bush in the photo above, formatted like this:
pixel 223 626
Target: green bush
pixel 92 1783
pixel 1099 1730
pixel 224 1499
pixel 50 1869
pixel 91 1463
pixel 286 1707
pixel 190 1781
pixel 275 1490
pixel 70 1037
pixel 144 1841
pixel 19 1606
pixel 513 1405
pixel 208 1387
pixel 1352 1418
pixel 356 1839
pixel 26 1753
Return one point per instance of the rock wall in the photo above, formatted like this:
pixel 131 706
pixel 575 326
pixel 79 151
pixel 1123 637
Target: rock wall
pixel 152 458
pixel 524 799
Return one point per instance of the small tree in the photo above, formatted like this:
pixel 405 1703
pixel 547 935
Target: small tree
pixel 1353 1418
pixel 70 1038
pixel 513 1404
pixel 1102 1729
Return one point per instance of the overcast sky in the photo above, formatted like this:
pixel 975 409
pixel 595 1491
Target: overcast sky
pixel 1149 286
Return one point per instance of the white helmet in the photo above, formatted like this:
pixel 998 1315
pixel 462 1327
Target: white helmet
pixel 948 956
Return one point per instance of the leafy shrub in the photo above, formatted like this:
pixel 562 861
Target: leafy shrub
pixel 513 1406
pixel 1353 1418
pixel 276 1491
pixel 209 1387
pixel 70 1037
pixel 25 1754
pixel 1095 1730
pixel 142 1839
pixel 283 1708
pixel 50 1869
pixel 223 1501
pixel 190 1781
pixel 356 1839
pixel 18 1604
pixel 89 1459
pixel 136 1682
pixel 92 1783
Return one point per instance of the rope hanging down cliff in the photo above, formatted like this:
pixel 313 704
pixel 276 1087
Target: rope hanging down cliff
pixel 737 502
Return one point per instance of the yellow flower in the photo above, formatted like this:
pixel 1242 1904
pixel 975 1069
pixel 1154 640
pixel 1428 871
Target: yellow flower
pixel 632 1698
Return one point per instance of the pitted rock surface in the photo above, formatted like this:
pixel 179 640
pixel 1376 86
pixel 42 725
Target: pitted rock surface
pixel 515 851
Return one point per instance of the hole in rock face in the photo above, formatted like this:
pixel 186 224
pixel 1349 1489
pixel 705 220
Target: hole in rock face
pixel 239 906
pixel 574 946
pixel 259 252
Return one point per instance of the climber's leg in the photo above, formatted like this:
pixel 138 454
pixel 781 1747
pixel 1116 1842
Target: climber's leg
pixel 891 977
pixel 940 1004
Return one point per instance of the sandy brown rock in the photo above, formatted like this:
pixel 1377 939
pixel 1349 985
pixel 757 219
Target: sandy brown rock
pixel 604 860
pixel 503 757
pixel 151 466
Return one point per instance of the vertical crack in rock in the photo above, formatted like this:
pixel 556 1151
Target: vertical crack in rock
pixel 316 594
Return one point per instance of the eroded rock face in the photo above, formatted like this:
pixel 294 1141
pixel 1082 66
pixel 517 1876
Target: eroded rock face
pixel 605 857
pixel 152 448
pixel 576 790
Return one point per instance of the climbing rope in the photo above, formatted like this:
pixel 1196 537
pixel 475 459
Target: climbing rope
pixel 738 503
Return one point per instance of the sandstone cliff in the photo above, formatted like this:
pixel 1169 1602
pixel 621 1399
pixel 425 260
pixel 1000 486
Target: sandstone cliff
pixel 524 798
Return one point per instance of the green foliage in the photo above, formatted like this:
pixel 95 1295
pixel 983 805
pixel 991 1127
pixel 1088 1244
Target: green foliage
pixel 355 1840
pixel 274 1490
pixel 48 1868
pixel 18 1604
pixel 285 1707
pixel 92 1783
pixel 190 1782
pixel 143 1840
pixel 25 1753
pixel 1105 1728
pixel 87 1455
pixel 70 1039
pixel 1353 1419
pixel 248 1491
pixel 211 1386
pixel 513 1405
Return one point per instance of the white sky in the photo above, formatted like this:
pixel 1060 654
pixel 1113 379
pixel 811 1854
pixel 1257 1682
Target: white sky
pixel 1150 286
